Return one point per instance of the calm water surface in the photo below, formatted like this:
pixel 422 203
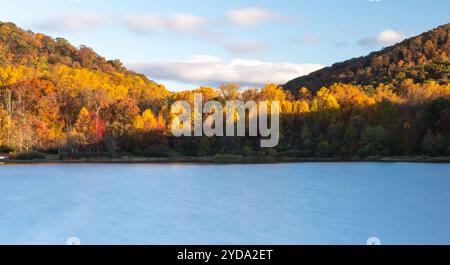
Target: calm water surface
pixel 299 203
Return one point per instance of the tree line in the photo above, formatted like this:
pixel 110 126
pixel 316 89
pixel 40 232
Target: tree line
pixel 77 112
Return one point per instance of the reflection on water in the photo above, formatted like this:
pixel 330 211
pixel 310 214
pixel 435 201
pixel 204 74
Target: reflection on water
pixel 299 203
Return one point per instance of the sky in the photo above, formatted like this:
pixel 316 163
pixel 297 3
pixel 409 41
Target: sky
pixel 187 43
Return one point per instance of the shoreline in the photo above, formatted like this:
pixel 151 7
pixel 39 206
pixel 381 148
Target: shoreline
pixel 225 160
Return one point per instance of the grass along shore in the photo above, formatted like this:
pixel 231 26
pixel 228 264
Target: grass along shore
pixel 224 159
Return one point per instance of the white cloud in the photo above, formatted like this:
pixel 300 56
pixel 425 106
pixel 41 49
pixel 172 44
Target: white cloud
pixel 144 23
pixel 186 22
pixel 211 70
pixel 251 16
pixel 72 22
pixel 389 36
pixel 178 22
pixel 385 37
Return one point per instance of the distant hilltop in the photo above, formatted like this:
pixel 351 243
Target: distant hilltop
pixel 26 48
pixel 421 58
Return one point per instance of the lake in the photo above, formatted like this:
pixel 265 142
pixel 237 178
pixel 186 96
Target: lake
pixel 292 203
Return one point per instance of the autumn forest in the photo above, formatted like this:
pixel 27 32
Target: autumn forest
pixel 56 99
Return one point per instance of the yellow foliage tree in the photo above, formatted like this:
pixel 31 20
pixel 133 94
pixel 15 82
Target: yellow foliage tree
pixel 324 100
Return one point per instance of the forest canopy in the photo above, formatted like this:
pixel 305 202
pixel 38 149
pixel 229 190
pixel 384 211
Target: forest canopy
pixel 59 99
pixel 421 58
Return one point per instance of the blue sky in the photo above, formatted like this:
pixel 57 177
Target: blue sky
pixel 184 43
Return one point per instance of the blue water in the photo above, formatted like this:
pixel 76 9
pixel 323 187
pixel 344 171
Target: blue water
pixel 300 203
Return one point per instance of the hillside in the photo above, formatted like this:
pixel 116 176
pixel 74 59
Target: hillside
pixel 20 47
pixel 57 100
pixel 424 57
pixel 26 48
